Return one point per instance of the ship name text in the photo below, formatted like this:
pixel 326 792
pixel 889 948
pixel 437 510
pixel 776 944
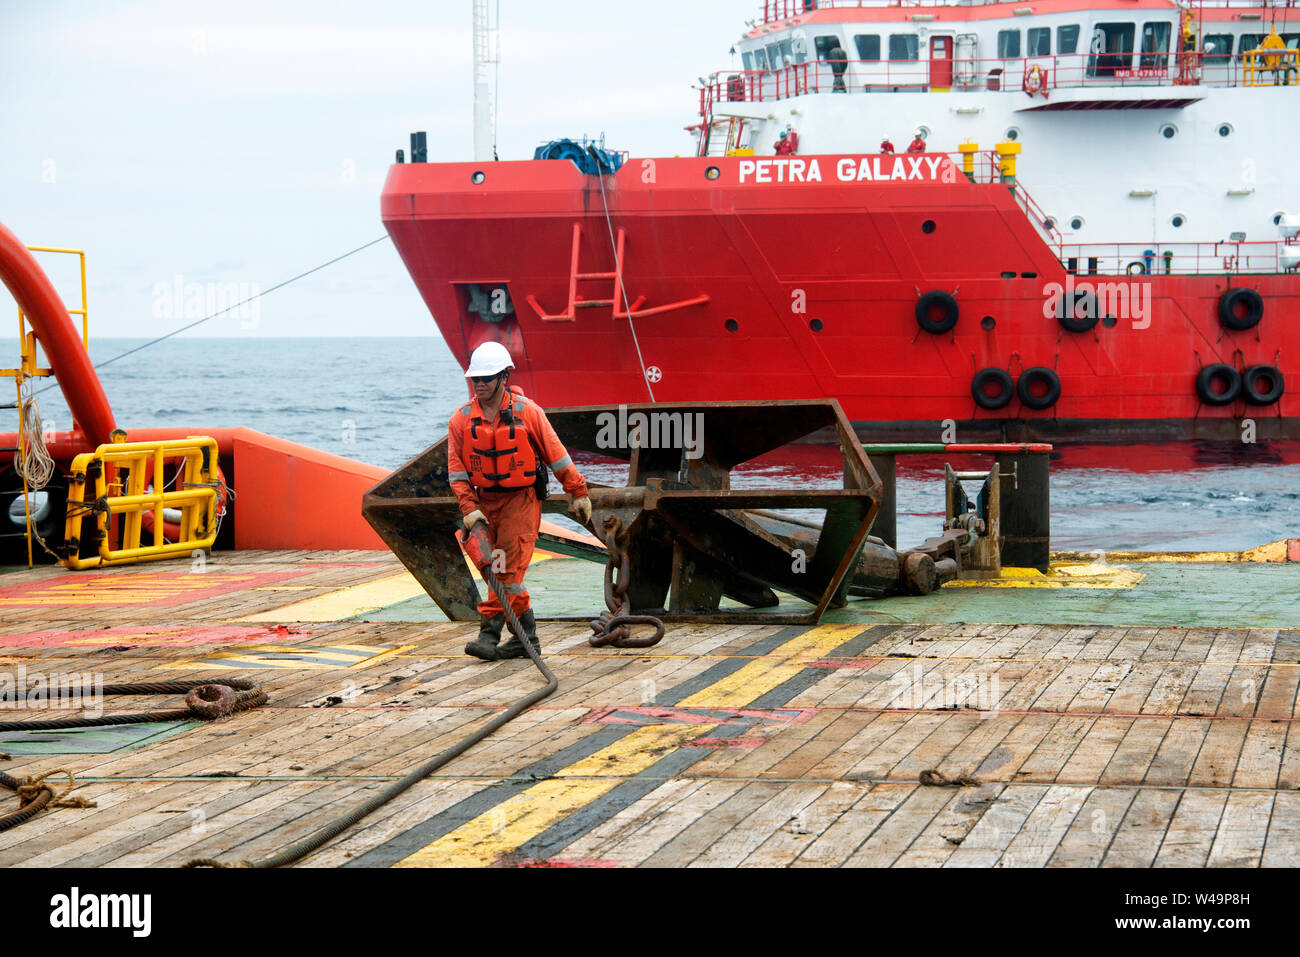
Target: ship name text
pixel 848 169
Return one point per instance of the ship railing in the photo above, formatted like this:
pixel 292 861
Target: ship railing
pixel 1035 77
pixel 1175 259
pixel 777 11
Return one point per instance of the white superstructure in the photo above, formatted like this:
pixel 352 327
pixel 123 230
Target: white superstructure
pixel 1140 121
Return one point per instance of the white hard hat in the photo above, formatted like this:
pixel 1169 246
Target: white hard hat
pixel 917 132
pixel 488 359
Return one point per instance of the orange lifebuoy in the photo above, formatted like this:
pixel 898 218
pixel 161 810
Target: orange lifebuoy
pixel 1035 80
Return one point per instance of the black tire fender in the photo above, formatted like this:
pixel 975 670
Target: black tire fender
pixel 1251 378
pixel 936 299
pixel 1068 309
pixel 1038 374
pixel 986 377
pixel 1253 302
pixel 1205 382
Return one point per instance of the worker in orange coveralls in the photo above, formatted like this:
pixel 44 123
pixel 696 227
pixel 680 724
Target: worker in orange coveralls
pixel 497 446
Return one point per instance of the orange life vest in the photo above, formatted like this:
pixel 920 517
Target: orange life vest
pixel 499 456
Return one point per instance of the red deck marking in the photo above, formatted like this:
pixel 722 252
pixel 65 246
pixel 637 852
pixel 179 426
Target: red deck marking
pixel 724 743
pixel 151 589
pixel 653 715
pixel 315 566
pixel 136 636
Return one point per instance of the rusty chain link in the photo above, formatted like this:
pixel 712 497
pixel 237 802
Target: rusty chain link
pixel 614 626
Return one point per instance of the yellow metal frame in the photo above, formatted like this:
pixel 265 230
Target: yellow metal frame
pixel 120 482
pixel 28 369
pixel 27 339
pixel 1284 61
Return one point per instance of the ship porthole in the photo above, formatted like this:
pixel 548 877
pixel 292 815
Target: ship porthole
pixel 1178 220
pixel 1169 131
pixel 927 227
pixel 732 325
pixel 1109 322
pixel 712 173
pixel 1225 129
pixel 1076 223
pixel 987 323
pixel 1013 133
pixel 478 177
pixel 1049 223
pixel 815 325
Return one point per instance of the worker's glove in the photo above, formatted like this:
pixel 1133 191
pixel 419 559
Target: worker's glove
pixel 581 510
pixel 473 518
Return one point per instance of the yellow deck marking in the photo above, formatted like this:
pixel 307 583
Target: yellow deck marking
pixel 355 599
pixel 1059 575
pixel 346 602
pixel 762 675
pixel 516 821
pixel 291 656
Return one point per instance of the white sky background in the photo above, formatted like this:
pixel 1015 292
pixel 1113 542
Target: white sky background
pixel 243 142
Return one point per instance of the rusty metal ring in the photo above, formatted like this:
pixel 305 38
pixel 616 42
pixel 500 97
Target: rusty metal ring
pixel 211 701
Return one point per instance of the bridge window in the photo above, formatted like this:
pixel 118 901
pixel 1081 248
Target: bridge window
pixel 1155 44
pixel 1250 41
pixel 748 58
pixel 1292 40
pixel 868 45
pixel 1111 48
pixel 773 56
pixel 825 44
pixel 1039 42
pixel 1008 44
pixel 903 46
pixel 1067 39
pixel 1217 47
pixel 760 59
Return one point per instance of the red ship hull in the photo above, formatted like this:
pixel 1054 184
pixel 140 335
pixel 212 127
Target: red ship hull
pixel 742 288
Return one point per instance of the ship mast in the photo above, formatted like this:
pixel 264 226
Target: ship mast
pixel 486 53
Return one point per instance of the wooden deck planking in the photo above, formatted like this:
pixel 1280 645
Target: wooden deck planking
pixel 1071 777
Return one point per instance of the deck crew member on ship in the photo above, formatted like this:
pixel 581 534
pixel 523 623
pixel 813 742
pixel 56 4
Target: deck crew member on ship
pixel 498 447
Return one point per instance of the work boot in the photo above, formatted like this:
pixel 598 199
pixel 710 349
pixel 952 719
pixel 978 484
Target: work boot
pixel 514 648
pixel 489 634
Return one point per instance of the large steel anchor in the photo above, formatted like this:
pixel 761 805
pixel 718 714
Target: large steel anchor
pixel 684 538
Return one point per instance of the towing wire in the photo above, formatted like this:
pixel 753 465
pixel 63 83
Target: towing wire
pixel 306 846
pixel 618 269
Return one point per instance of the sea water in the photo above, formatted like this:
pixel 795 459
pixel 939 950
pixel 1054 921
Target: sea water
pixel 384 400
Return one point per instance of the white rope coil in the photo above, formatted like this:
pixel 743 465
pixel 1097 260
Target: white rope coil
pixel 36 466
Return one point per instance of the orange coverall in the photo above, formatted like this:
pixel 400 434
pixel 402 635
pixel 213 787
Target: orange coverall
pixel 514 517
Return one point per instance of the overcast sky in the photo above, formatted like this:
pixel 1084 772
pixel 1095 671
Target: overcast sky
pixel 242 142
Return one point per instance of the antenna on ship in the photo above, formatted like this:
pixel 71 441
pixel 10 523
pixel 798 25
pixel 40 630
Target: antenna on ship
pixel 487 50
